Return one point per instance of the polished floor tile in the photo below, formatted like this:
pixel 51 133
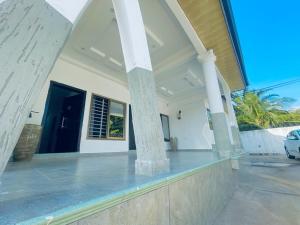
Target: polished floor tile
pixel 47 184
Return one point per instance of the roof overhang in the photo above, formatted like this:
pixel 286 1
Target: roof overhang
pixel 214 24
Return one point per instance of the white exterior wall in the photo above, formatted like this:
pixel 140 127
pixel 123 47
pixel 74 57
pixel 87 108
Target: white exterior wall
pixel 75 76
pixel 265 141
pixel 192 130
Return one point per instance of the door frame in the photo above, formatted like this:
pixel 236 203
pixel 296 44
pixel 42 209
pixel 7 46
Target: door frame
pixel 130 130
pixel 47 106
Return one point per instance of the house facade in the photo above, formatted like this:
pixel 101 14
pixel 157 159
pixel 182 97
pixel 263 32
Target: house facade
pixel 114 76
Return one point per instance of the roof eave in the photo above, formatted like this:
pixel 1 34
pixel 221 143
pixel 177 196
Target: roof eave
pixel 231 27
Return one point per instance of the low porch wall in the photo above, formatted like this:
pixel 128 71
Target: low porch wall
pixel 196 197
pixel 193 197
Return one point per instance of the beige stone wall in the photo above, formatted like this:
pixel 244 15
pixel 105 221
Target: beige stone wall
pixel 192 200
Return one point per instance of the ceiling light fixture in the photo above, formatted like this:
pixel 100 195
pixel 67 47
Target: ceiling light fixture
pixel 166 91
pixel 200 82
pixel 115 62
pixel 154 36
pixel 170 92
pixel 98 52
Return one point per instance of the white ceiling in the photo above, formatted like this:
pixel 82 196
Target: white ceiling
pixel 95 42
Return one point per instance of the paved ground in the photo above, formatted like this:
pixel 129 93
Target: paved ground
pixel 268 193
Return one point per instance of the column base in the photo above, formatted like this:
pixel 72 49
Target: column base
pixel 151 168
pixel 221 153
pixel 224 154
pixel 214 147
pixel 238 148
pixel 221 134
pixel 235 163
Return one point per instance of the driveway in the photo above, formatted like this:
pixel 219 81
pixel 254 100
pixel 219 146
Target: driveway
pixel 268 192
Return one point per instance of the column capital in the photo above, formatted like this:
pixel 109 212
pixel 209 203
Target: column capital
pixel 208 56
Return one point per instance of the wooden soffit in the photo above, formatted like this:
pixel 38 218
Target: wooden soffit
pixel 207 19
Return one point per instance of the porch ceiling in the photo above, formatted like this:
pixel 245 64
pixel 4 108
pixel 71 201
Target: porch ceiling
pixel 208 20
pixel 96 44
pixel 96 37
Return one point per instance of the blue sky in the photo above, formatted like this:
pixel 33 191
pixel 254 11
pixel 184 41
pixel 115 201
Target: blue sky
pixel 269 33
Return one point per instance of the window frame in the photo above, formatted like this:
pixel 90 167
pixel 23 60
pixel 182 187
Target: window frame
pixel 164 115
pixel 209 119
pixel 108 119
pixel 124 122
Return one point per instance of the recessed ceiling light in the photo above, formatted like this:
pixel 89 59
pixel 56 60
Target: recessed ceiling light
pixel 187 79
pixel 154 36
pixel 98 52
pixel 200 82
pixel 115 61
pixel 191 74
pixel 170 92
pixel 163 88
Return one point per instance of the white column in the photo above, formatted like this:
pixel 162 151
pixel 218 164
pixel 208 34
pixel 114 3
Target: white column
pixel 211 82
pixel 31 38
pixel 151 153
pixel 220 126
pixel 233 124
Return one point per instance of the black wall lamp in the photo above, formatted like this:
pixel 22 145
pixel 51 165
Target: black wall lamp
pixel 179 115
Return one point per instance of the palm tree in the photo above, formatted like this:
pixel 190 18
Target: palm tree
pixel 259 110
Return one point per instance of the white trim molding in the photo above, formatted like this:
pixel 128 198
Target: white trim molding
pixel 70 9
pixel 132 34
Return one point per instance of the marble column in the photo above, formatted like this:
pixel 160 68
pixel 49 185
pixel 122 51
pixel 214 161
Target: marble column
pixel 233 124
pixel 235 128
pixel 220 126
pixel 32 34
pixel 237 139
pixel 151 153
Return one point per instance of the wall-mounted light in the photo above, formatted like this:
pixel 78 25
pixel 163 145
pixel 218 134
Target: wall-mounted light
pixel 30 114
pixel 179 115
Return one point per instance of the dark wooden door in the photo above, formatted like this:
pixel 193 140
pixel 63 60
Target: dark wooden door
pixel 68 130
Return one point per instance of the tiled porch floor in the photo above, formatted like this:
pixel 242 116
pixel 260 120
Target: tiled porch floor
pixel 47 184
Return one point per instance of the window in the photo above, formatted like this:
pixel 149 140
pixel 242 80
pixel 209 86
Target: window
pixel 165 126
pixel 116 120
pixel 224 101
pixel 107 119
pixel 98 117
pixel 294 134
pixel 209 119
